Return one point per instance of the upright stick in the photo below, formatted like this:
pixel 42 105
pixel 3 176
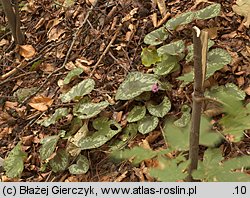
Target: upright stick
pixel 200 39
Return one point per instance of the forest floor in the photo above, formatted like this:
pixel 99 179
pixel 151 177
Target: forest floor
pixel 77 36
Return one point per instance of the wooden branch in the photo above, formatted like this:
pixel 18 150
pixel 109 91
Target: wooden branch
pixel 200 39
pixel 12 13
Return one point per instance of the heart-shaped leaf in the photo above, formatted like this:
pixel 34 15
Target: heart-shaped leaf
pixel 148 124
pixel 135 84
pixel 181 19
pixel 72 74
pixel 79 90
pixel 48 146
pixel 59 113
pixel 208 12
pixel 13 164
pixel 81 166
pixel 159 110
pixel 106 129
pixel 136 114
pixel 175 49
pixel 156 37
pixel 149 57
pixel 167 65
pixel 60 162
pixel 89 110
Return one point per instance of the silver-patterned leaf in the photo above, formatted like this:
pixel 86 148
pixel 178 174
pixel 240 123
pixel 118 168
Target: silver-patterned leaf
pixel 59 113
pixel 185 117
pixel 160 110
pixel 208 12
pixel 48 146
pixel 60 162
pixel 135 84
pixel 106 129
pixel 156 37
pixel 148 124
pixel 216 60
pixel 89 110
pixel 181 19
pixel 81 166
pixel 79 90
pixel 72 74
pixel 167 65
pixel 175 48
pixel 13 164
pixel 136 114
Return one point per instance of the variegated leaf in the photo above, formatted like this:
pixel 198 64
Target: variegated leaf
pixel 160 110
pixel 79 90
pixel 135 84
pixel 148 124
pixel 89 110
pixel 106 129
pixel 136 114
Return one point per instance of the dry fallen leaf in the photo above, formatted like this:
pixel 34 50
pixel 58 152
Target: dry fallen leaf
pixel 243 8
pixel 27 51
pixel 41 103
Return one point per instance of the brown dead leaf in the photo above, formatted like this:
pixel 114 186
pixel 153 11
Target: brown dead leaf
pixel 243 8
pixel 212 32
pixel 27 51
pixel 162 7
pixel 41 103
pixel 247 90
pixel 47 67
pixel 27 140
pixel 4 42
pixel 55 34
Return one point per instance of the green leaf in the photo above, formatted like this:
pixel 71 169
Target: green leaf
pixel 79 90
pixel 216 60
pixel 149 57
pixel 178 137
pixel 22 93
pixel 187 78
pixel 48 146
pixel 181 19
pixel 81 166
pixel 106 129
pixel 89 110
pixel 13 164
pixel 135 84
pixel 171 170
pixel 72 74
pixel 207 136
pixel 160 110
pixel 167 65
pixel 175 49
pixel 60 162
pixel 137 154
pixel 59 113
pixel 129 133
pixel 136 114
pixel 185 118
pixel 148 124
pixel 156 37
pixel 208 12
pixel 190 49
pixel 212 170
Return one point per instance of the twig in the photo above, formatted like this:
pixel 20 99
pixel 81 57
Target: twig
pixel 14 78
pixel 106 50
pixel 79 29
pixel 200 39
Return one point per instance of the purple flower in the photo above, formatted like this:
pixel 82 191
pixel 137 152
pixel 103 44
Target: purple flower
pixel 155 88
